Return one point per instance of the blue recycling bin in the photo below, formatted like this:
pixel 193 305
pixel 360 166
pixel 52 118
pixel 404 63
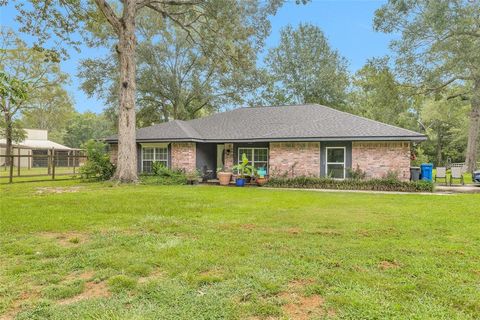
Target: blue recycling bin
pixel 426 171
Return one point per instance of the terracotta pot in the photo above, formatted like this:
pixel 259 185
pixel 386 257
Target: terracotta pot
pixel 261 181
pixel 224 178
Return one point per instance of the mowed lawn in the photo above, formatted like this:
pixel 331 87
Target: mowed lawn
pixel 96 251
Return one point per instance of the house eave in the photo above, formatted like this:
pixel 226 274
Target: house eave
pixel 418 138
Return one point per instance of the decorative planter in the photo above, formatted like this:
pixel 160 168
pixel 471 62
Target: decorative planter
pixel 261 181
pixel 224 178
pixel 240 182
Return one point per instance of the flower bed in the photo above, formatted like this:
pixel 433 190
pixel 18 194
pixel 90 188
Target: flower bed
pixel 351 184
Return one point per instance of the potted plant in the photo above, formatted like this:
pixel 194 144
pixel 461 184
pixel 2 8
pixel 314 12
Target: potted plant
pixel 193 177
pixel 243 169
pixel 261 178
pixel 224 176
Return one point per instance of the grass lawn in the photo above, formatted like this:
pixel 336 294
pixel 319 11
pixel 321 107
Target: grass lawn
pixel 95 251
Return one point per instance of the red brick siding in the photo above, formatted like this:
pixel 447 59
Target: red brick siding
pixel 184 156
pixel 294 158
pixel 378 158
pixel 228 161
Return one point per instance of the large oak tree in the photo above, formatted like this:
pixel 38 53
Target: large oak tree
pixel 65 18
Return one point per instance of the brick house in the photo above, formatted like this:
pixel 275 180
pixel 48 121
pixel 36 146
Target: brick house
pixel 298 140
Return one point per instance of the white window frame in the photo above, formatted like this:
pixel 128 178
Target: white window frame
pixel 153 146
pixel 344 161
pixel 239 156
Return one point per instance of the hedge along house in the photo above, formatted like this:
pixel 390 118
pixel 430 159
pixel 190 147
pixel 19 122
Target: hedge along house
pixel 297 140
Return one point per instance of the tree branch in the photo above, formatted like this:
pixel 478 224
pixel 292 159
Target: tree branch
pixel 110 15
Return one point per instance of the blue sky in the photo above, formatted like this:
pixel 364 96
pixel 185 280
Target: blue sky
pixel 347 24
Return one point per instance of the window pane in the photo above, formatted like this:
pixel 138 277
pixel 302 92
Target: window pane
pixel 147 153
pixel 163 162
pixel 261 164
pixel 248 153
pixel 161 154
pixel 147 166
pixel 335 171
pixel 260 155
pixel 335 155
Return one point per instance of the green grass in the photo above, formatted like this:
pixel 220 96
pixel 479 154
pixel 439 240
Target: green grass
pixel 97 251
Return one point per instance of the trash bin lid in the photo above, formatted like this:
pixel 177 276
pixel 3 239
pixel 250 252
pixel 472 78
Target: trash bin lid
pixel 426 165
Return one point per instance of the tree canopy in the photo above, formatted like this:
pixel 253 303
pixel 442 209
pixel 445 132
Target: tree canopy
pixel 303 68
pixel 439 48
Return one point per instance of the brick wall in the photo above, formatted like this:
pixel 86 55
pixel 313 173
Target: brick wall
pixel 113 152
pixel 295 158
pixel 228 161
pixel 377 158
pixel 184 156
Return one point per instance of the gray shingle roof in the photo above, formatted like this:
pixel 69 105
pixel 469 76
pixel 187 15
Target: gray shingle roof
pixel 279 123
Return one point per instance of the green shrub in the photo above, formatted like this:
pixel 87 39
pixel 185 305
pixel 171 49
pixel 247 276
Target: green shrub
pixel 351 184
pixel 98 165
pixel 162 175
pixel 357 173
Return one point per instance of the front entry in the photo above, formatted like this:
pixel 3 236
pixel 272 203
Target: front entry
pixel 220 156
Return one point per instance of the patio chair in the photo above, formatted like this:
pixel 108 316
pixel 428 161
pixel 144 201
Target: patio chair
pixel 456 173
pixel 441 174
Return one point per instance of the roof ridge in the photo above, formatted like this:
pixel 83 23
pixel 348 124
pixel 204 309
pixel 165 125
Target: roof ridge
pixel 364 118
pixel 186 127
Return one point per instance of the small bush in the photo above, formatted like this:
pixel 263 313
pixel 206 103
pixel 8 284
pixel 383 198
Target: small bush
pixel 98 165
pixel 162 175
pixel 357 173
pixel 351 184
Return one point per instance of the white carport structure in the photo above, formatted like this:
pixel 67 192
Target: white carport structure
pixel 36 143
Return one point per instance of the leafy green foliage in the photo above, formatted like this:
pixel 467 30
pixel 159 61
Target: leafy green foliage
pixel 356 174
pixel 98 165
pixel 439 50
pixel 164 176
pixel 390 183
pixel 86 126
pixel 303 68
pixel 376 94
pixel 178 78
pixel 244 169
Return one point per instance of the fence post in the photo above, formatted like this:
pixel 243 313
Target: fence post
pixel 53 164
pixel 18 163
pixel 49 161
pixel 11 169
pixel 74 160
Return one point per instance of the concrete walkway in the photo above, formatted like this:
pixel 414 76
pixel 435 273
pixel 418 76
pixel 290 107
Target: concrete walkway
pixel 364 191
pixel 457 189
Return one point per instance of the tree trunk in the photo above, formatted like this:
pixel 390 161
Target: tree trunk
pixel 474 129
pixel 127 147
pixel 439 147
pixel 8 136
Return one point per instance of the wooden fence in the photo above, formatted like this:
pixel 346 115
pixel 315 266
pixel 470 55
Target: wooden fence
pixel 49 163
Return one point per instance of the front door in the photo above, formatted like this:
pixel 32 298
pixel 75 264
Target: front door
pixel 220 155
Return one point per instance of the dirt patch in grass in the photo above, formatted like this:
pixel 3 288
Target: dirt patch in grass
pixel 66 239
pixel 156 274
pixel 297 306
pixel 17 304
pixel 386 265
pixel 92 290
pixel 325 232
pixel 50 190
pixel 86 276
